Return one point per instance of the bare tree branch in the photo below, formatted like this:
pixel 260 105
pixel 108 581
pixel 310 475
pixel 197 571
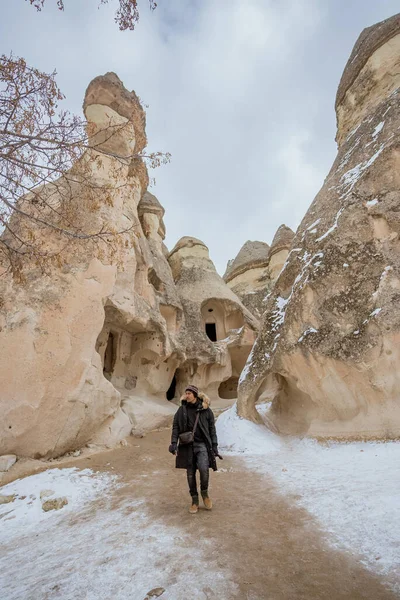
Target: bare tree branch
pixel 126 17
pixel 47 163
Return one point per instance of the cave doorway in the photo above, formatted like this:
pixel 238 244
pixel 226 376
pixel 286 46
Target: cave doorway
pixel 110 356
pixel 211 331
pixel 172 389
pixel 228 389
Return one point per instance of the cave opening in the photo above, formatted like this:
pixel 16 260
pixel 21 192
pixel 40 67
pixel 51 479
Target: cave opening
pixel 172 389
pixel 211 331
pixel 110 356
pixel 228 389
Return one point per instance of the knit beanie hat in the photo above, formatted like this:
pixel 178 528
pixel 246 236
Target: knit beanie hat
pixel 192 388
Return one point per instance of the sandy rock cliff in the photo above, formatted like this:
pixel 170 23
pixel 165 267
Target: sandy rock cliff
pixel 54 395
pixel 96 347
pixel 279 251
pixel 328 352
pixel 255 269
pixel 248 276
pixel 219 331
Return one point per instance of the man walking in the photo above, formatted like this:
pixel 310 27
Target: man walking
pixel 194 440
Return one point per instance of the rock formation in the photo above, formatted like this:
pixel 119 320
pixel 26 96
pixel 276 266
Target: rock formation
pixel 54 394
pixel 328 352
pixel 252 273
pixel 91 348
pixel 219 331
pixel 279 251
pixel 248 276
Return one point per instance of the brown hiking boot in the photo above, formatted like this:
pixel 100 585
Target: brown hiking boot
pixel 207 501
pixel 195 505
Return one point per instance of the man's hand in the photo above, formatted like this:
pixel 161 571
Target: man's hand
pixel 172 448
pixel 215 450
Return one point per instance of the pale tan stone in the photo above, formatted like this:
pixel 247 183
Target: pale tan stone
pixel 92 328
pixel 279 251
pixel 248 276
pixel 253 272
pixel 209 306
pixel 46 493
pixel 7 499
pixel 99 342
pixel 327 356
pixel 54 504
pixel 7 461
pixel 155 593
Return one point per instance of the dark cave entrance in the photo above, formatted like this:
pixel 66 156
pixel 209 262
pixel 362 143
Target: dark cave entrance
pixel 211 331
pixel 172 389
pixel 228 389
pixel 110 356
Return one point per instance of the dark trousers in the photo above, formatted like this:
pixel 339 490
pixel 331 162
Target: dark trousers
pixel 200 462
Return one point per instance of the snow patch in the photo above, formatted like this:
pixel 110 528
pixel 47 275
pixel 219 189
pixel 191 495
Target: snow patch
pixel 350 488
pixel 278 315
pixel 247 366
pixel 238 435
pixel 335 224
pixel 113 548
pixel 233 333
pixel 351 177
pixel 348 154
pixel 378 129
pixel 372 202
pixel 79 487
pixel 307 332
pixel 288 257
pixel 353 131
pixel 313 225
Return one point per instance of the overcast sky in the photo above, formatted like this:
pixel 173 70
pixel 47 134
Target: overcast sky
pixel 241 92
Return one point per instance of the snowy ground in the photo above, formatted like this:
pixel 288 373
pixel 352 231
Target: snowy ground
pixel 94 550
pixel 25 512
pixel 106 543
pixel 353 489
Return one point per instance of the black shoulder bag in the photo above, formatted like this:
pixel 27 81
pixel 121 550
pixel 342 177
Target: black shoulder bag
pixel 188 436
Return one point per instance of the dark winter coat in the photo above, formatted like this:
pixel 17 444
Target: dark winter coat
pixel 206 425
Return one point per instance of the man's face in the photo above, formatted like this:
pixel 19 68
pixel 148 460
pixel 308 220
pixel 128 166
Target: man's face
pixel 190 397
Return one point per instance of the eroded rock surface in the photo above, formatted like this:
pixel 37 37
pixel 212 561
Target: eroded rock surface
pixel 54 503
pixel 219 331
pixel 7 461
pixel 88 333
pixel 248 276
pixel 94 348
pixel 328 353
pixel 253 272
pixel 279 251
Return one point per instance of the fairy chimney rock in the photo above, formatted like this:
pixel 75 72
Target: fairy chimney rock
pixel 251 255
pixel 279 250
pixel 219 331
pixel 151 215
pixel 328 351
pixel 99 329
pixel 370 76
pixel 248 277
pixel 116 124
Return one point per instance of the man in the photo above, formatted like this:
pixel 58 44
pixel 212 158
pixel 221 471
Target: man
pixel 199 454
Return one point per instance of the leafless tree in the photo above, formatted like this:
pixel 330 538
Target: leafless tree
pixel 126 17
pixel 46 163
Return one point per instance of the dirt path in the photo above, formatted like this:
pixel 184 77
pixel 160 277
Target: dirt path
pixel 272 548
